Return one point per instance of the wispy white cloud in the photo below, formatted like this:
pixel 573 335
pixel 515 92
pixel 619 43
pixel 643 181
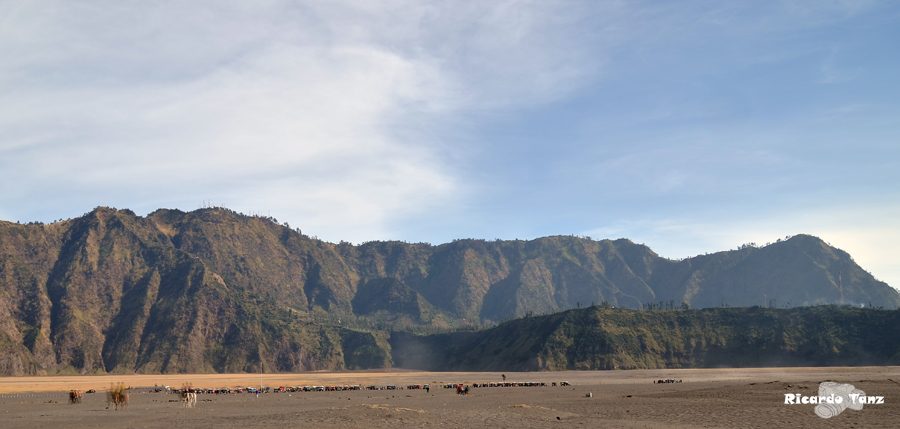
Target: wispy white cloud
pixel 318 110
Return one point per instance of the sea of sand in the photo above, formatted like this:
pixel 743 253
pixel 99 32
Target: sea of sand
pixel 726 398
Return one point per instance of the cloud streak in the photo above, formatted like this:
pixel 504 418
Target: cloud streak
pixel 436 120
pixel 290 104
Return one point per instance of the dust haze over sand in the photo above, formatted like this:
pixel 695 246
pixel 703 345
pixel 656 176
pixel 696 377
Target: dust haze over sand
pixel 746 397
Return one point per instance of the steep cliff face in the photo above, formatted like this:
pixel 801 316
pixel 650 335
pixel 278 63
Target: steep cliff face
pixel 113 292
pixel 214 290
pixel 27 256
pixel 391 296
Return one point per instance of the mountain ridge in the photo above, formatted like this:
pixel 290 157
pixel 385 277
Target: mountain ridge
pixel 214 290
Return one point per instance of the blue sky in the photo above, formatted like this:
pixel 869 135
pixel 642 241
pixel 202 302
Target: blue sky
pixel 691 126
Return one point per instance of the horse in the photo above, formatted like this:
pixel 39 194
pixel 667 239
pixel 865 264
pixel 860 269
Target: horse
pixel 119 399
pixel 188 399
pixel 75 397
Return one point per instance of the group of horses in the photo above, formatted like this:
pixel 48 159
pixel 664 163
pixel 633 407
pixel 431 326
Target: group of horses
pixel 117 398
pixel 666 381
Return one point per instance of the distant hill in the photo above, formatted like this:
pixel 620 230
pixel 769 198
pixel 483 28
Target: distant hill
pixel 214 290
pixel 604 338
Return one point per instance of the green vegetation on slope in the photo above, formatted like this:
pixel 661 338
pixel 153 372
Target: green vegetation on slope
pixel 606 338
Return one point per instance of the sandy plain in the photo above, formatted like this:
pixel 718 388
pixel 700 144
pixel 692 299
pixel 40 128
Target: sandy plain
pixel 727 398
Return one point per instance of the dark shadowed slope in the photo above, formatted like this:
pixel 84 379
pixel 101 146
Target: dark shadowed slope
pixel 604 338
